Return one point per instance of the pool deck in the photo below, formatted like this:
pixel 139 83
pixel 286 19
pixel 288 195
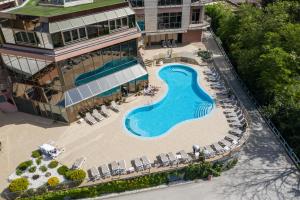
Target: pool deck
pixel 106 141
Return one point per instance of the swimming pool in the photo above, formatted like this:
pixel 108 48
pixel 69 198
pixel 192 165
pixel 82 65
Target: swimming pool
pixel 184 100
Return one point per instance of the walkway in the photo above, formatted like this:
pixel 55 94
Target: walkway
pixel 264 170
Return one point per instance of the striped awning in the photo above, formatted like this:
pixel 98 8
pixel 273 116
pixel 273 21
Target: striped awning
pixel 89 19
pixel 103 84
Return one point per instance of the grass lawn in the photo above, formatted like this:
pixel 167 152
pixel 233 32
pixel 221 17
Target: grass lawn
pixel 32 8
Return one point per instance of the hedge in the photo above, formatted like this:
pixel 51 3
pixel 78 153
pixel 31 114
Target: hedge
pixel 19 184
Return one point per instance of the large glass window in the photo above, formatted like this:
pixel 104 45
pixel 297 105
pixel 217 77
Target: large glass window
pixel 82 32
pixel 169 2
pixel 169 20
pixel 57 40
pixel 195 16
pixel 23 37
pixel 131 20
pixel 137 3
pixel 67 36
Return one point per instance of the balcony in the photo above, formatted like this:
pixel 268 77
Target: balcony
pixel 196 25
pixel 72 50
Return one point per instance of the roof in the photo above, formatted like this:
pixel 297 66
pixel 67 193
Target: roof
pixel 33 9
pixel 89 19
pixel 103 84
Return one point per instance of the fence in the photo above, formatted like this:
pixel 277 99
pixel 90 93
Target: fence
pixel 278 135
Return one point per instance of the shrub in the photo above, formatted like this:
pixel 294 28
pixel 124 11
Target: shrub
pixel 76 175
pixel 24 165
pixel 53 181
pixel 19 172
pixel 48 174
pixel 43 168
pixel 62 170
pixel 53 164
pixel 36 176
pixel 19 184
pixel 38 161
pixel 32 169
pixel 36 154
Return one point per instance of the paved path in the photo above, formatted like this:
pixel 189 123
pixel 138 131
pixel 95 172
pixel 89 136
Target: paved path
pixel 264 170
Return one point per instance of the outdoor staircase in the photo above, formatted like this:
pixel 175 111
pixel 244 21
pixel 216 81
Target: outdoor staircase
pixel 201 109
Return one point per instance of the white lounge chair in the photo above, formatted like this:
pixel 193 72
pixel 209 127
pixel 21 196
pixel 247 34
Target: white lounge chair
pixel 90 119
pixel 122 167
pixel 105 171
pixel 146 162
pixel 172 158
pixel 97 115
pixel 219 149
pixel 138 164
pixel 95 175
pixel 164 159
pixel 78 163
pixel 114 106
pixel 104 111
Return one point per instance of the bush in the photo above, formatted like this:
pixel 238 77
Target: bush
pixel 24 165
pixel 53 181
pixel 43 168
pixel 32 169
pixel 47 174
pixel 19 184
pixel 36 176
pixel 38 161
pixel 76 175
pixel 53 164
pixel 19 172
pixel 62 170
pixel 36 154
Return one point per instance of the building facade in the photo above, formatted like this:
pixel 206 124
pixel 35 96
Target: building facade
pixel 170 20
pixel 65 59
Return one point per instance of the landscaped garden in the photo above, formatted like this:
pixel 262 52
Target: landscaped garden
pixel 191 172
pixel 37 172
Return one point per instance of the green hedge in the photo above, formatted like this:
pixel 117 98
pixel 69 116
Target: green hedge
pixel 191 172
pixel 76 175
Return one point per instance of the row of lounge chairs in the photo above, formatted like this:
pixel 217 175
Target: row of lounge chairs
pixel 150 91
pixel 233 113
pixel 139 164
pixel 97 114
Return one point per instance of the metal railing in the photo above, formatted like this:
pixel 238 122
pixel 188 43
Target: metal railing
pixel 278 135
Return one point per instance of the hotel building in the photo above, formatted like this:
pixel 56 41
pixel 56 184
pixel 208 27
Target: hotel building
pixel 66 56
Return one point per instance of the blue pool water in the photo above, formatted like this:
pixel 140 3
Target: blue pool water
pixel 184 100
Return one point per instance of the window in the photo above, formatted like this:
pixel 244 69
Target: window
pixel 137 3
pixel 169 2
pixel 131 21
pixel 75 34
pixel 169 20
pixel 124 21
pixel 67 36
pixel 82 33
pixel 119 25
pixel 195 16
pixel 112 25
pixel 23 37
pixel 57 40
